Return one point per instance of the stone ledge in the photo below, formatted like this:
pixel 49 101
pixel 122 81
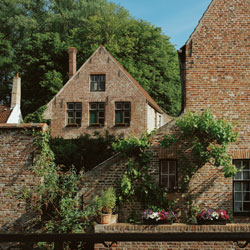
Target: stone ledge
pixel 176 227
pixel 42 126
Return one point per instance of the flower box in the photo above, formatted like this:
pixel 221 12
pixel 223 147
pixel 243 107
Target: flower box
pixel 212 217
pixel 151 217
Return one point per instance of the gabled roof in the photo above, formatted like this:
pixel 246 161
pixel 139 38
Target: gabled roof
pixel 200 21
pixel 5 112
pixel 47 112
pixel 143 91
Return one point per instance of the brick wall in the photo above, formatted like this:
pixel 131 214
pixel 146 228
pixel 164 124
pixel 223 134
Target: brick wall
pixel 176 227
pixel 16 153
pixel 217 66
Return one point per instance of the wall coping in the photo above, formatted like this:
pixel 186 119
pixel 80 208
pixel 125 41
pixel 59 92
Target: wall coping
pixel 175 227
pixel 42 126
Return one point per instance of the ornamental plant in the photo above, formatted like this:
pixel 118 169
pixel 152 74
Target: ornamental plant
pixel 212 215
pixel 167 216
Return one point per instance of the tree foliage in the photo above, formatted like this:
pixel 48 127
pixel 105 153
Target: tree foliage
pixel 35 35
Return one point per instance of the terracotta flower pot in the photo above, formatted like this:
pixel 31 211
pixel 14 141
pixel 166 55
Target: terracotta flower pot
pixel 105 218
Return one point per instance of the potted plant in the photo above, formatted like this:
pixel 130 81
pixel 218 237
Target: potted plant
pixel 105 205
pixel 210 217
pixel 158 217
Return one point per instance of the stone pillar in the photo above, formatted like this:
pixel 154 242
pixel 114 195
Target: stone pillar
pixel 16 92
pixel 72 61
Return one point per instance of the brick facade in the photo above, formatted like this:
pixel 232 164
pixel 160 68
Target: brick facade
pixel 215 75
pixel 119 87
pixel 16 154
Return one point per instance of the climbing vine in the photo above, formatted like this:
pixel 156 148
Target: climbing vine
pixel 137 181
pixel 208 138
pixel 55 194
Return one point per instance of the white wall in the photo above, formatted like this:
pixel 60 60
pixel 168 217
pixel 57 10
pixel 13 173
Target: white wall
pixel 15 115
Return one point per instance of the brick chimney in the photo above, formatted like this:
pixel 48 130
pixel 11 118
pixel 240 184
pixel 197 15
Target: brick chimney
pixel 16 92
pixel 72 61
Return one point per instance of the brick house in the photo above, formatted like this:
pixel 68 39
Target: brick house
pixel 102 96
pixel 214 66
pixel 12 113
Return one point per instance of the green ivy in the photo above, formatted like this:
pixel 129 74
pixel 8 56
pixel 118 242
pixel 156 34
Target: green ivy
pixel 208 139
pixel 136 181
pixel 55 194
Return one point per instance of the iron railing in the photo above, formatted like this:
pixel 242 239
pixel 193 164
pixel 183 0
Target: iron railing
pixel 88 240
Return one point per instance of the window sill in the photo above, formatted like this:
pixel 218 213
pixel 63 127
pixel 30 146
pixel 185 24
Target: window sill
pixel 122 125
pixel 96 125
pixel 73 125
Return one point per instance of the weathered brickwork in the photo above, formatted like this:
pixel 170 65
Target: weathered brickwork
pixel 119 87
pixel 217 66
pixel 16 154
pixel 128 228
pixel 215 74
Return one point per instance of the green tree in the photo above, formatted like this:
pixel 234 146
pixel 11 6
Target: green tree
pixel 35 35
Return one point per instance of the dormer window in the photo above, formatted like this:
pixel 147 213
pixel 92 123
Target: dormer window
pixel 97 83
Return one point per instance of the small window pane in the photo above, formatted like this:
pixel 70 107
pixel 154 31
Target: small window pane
pixel 92 117
pixel 78 120
pixel 172 169
pixel 70 105
pixel 164 180
pixel 238 196
pixel 126 114
pixel 70 114
pixel 101 121
pixel 237 186
pixel 78 114
pixel 118 117
pixel 101 114
pixel 118 105
pixel 126 105
pixel 246 175
pixel 171 181
pixel 246 206
pixel 246 164
pixel 78 106
pixel 238 176
pixel 238 206
pixel 164 167
pixel 101 105
pixel 93 105
pixel 246 186
pixel 246 196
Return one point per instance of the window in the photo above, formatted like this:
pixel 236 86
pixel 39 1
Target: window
pixel 74 113
pixel 122 113
pixel 97 83
pixel 241 187
pixel 96 113
pixel 168 173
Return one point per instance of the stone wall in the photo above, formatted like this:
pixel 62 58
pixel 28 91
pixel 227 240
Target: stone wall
pixel 17 151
